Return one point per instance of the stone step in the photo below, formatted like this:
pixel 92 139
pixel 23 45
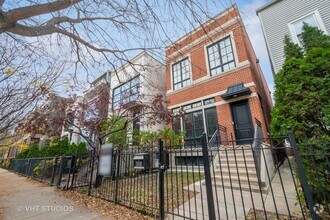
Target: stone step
pixel 237 160
pixel 242 186
pixel 233 165
pixel 233 171
pixel 246 153
pixel 235 179
pixel 232 159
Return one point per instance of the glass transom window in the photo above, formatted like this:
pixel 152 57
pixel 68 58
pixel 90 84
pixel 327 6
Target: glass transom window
pixel 181 74
pixel 221 56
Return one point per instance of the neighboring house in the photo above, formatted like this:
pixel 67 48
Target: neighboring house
pixel 126 92
pixel 71 128
pixel 213 75
pixel 134 86
pixel 36 128
pixel 286 17
pixel 96 98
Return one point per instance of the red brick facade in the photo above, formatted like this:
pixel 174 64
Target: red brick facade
pixel 203 85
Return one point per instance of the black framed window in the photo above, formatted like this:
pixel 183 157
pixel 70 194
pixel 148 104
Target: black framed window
pixel 181 74
pixel 211 121
pixel 126 92
pixel 194 128
pixel 209 101
pixel 190 160
pixel 175 110
pixel 193 105
pixel 176 124
pixel 221 56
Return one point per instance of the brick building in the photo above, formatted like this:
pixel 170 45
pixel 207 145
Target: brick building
pixel 213 75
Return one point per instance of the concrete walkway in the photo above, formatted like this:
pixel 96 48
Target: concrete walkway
pixel 229 203
pixel 22 198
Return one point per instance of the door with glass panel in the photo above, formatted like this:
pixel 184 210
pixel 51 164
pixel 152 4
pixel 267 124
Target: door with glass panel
pixel 211 121
pixel 194 128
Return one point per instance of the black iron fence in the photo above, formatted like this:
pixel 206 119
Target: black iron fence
pixel 63 172
pixel 225 181
pixel 222 180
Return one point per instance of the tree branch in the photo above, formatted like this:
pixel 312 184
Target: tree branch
pixel 21 13
pixel 63 19
pixel 52 29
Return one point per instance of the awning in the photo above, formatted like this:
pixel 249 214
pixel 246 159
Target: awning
pixel 235 91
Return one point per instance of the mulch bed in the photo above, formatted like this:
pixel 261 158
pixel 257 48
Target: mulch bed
pixel 101 206
pixel 141 192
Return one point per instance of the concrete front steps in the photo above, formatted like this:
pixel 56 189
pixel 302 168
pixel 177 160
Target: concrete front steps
pixel 236 169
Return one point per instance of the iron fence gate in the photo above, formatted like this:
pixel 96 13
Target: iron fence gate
pixel 269 178
pixel 266 179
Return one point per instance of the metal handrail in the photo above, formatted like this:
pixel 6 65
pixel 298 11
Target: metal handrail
pixel 213 138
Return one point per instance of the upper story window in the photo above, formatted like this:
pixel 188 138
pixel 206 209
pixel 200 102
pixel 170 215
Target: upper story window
pixel 313 19
pixel 221 56
pixel 126 93
pixel 181 74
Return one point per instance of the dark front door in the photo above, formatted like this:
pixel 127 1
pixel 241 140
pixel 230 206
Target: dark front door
pixel 242 122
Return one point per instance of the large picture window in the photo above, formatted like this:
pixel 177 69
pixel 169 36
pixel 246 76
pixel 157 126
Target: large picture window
pixel 181 74
pixel 126 93
pixel 193 125
pixel 221 56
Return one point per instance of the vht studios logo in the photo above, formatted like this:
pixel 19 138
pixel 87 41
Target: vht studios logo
pixel 45 208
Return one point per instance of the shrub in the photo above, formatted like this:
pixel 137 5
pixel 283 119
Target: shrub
pixel 48 167
pixel 149 139
pixel 5 163
pixel 56 148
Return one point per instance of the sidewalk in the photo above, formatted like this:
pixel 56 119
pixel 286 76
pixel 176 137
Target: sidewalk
pixel 22 198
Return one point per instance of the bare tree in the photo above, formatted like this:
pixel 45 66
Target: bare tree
pixel 22 86
pixel 82 37
pixel 47 118
pixel 98 33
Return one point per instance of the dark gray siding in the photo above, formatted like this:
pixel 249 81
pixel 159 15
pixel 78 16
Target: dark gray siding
pixel 276 17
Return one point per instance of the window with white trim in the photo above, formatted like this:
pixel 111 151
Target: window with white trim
pixel 221 56
pixel 313 19
pixel 181 74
